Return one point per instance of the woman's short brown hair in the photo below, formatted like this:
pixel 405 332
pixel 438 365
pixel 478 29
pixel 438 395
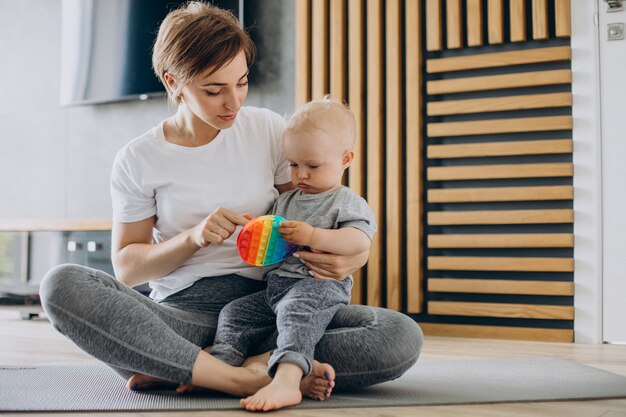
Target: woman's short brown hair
pixel 196 37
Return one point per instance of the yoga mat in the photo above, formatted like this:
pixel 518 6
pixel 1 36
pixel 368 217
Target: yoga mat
pixel 97 388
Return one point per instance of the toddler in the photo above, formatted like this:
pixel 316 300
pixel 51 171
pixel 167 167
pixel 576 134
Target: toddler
pixel 322 215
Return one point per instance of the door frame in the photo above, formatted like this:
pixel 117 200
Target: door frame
pixel 611 64
pixel 587 159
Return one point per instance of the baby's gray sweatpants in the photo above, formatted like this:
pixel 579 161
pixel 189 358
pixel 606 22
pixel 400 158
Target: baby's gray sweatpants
pixel 300 308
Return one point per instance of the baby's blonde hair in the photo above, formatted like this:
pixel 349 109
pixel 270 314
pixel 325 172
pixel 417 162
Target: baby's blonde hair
pixel 328 115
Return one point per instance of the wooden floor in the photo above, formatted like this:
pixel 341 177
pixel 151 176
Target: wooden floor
pixel 35 342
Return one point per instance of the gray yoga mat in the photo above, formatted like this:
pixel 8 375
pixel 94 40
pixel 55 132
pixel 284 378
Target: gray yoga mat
pixel 97 388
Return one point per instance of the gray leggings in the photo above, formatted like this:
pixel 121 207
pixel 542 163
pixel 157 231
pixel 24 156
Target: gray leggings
pixel 134 334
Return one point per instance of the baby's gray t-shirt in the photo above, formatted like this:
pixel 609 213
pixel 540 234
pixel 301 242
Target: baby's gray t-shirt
pixel 333 209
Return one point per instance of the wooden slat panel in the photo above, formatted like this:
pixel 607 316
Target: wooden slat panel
pixel 375 146
pixel 540 19
pixel 496 82
pixel 495 14
pixel 394 158
pixel 500 286
pixel 303 52
pixel 338 49
pixel 414 186
pixel 468 195
pixel 518 20
pixel 320 73
pixel 499 59
pixel 492 104
pixel 356 83
pixel 483 263
pixel 498 332
pixel 475 172
pixel 480 127
pixel 440 218
pixel 563 18
pixel 474 22
pixel 454 33
pixel 526 147
pixel 526 311
pixel 502 240
pixel 434 37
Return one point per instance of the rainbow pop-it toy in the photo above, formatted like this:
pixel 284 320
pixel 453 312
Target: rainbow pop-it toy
pixel 260 244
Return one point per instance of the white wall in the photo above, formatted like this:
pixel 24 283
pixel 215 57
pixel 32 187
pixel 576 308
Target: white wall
pixel 55 162
pixel 587 175
pixel 613 99
pixel 599 174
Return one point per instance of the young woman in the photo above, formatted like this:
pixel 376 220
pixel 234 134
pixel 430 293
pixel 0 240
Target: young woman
pixel 179 193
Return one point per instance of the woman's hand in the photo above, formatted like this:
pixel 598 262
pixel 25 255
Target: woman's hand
pixel 218 226
pixel 331 266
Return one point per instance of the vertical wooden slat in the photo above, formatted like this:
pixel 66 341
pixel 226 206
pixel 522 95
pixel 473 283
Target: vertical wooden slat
pixel 453 24
pixel 540 19
pixel 375 148
pixel 356 88
pixel 413 160
pixel 563 18
pixel 474 22
pixel 518 20
pixel 303 52
pixel 394 157
pixel 319 84
pixel 338 49
pixel 434 36
pixel 495 16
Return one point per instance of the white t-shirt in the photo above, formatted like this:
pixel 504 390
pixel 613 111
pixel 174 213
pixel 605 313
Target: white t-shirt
pixel 183 185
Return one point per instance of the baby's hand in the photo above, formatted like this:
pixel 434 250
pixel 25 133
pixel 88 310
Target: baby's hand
pixel 298 233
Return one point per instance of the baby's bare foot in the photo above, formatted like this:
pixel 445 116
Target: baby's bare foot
pixel 320 382
pixel 277 394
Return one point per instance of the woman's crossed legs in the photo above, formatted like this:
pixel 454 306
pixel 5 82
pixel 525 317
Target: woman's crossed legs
pixel 133 334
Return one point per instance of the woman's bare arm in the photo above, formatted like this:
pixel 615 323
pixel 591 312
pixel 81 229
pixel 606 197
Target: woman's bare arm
pixel 137 260
pixel 331 266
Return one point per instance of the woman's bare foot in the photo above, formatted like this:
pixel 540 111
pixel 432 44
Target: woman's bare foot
pixel 320 382
pixel 211 373
pixel 283 391
pixel 257 363
pixel 138 382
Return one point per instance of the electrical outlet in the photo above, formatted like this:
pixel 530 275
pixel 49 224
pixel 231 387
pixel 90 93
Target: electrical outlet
pixel 615 31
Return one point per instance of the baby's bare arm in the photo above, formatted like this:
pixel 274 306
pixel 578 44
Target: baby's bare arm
pixel 345 241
